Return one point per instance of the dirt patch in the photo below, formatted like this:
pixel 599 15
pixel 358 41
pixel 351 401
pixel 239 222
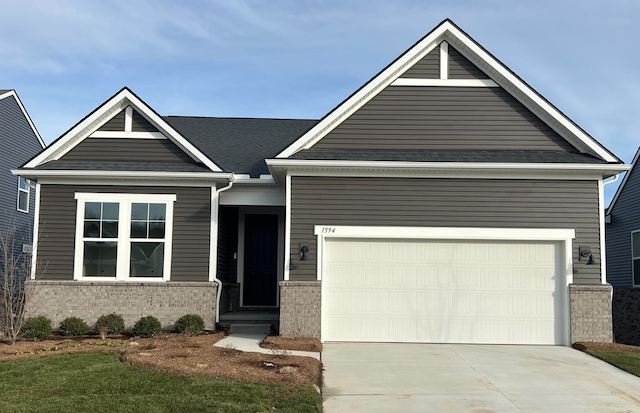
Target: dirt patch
pixel 181 354
pixel 587 346
pixel 288 343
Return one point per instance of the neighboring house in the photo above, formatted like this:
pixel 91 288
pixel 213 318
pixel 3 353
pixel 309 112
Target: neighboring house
pixel 443 201
pixel 623 255
pixel 19 142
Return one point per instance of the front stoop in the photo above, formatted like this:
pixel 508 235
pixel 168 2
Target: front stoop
pixel 250 318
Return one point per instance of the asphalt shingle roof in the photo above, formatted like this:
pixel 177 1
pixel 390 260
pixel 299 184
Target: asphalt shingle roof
pixel 240 145
pixel 447 156
pixel 123 166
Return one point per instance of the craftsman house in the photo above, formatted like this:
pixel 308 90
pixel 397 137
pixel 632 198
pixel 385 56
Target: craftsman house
pixel 443 201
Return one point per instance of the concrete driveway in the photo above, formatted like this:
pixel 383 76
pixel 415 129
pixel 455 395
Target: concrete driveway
pixel 362 377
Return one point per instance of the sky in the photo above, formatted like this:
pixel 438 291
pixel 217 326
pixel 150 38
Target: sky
pixel 299 58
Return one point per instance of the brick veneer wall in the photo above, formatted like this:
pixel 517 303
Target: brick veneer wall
pixel 300 308
pixel 626 315
pixel 166 301
pixel 591 313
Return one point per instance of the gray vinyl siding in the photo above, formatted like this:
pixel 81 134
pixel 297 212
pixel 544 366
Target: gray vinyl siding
pixel 461 68
pixel 127 149
pixel 140 124
pixel 115 124
pixel 625 217
pixel 191 228
pixel 447 118
pixel 426 68
pixel 18 144
pixel 473 203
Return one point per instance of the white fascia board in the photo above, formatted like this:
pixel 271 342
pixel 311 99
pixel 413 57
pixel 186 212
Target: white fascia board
pixel 529 93
pixel 101 115
pixel 367 92
pixel 25 114
pixel 633 165
pixel 123 177
pixel 459 167
pixel 451 233
pixel 255 196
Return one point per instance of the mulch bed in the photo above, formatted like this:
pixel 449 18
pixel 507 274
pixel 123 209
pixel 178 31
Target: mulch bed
pixel 186 355
pixel 288 343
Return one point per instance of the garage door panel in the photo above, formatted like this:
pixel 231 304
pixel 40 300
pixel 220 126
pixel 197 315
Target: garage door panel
pixel 442 291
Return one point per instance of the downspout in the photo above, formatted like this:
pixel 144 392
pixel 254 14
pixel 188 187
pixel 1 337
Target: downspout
pixel 214 210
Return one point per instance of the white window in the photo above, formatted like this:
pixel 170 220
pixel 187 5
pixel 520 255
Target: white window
pixel 23 194
pixel 123 237
pixel 635 256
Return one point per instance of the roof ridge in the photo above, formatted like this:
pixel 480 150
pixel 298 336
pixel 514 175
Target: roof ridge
pixel 237 118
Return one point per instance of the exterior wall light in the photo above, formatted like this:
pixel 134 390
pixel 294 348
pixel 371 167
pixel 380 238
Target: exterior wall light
pixel 304 253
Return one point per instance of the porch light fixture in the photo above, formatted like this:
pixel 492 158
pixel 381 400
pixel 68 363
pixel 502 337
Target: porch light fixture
pixel 304 253
pixel 584 253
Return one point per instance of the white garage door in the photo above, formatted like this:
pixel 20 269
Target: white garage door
pixel 442 291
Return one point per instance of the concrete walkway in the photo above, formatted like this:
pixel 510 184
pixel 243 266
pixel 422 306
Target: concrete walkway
pixel 374 378
pixel 249 339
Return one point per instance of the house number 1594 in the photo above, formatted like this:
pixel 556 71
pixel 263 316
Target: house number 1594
pixel 328 230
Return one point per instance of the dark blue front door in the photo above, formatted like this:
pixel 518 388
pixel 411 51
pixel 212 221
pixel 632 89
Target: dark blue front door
pixel 260 260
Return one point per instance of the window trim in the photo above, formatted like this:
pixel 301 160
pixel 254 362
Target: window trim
pixel 22 190
pixel 124 234
pixel 633 259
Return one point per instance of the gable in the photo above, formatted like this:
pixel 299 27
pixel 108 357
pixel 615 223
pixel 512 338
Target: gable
pixel 627 196
pixel 463 64
pixel 128 134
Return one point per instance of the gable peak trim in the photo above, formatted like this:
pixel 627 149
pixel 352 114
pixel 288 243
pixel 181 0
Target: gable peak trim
pixel 120 101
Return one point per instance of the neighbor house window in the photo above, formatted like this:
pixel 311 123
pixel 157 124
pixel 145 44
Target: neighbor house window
pixel 123 236
pixel 23 194
pixel 635 256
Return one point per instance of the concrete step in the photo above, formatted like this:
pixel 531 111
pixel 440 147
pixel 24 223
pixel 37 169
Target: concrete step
pixel 250 329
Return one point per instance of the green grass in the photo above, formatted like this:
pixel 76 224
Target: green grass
pixel 625 360
pixel 99 382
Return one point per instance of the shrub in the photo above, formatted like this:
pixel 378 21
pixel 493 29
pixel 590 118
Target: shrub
pixel 113 322
pixel 147 326
pixel 36 327
pixel 73 326
pixel 191 324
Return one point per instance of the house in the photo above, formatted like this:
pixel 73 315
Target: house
pixel 622 231
pixel 19 141
pixel 443 201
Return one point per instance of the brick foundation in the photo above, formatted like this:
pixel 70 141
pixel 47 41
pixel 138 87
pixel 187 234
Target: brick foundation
pixel 300 308
pixel 591 314
pixel 167 301
pixel 626 315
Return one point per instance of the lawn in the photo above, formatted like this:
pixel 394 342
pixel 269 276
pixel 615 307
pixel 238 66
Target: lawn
pixel 623 356
pixel 100 382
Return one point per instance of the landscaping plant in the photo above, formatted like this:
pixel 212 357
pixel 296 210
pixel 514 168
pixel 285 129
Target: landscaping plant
pixel 15 269
pixel 147 326
pixel 36 328
pixel 113 322
pixel 73 326
pixel 191 324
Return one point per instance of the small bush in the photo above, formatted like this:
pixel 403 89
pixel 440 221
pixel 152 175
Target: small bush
pixel 73 326
pixel 113 322
pixel 191 324
pixel 147 326
pixel 36 327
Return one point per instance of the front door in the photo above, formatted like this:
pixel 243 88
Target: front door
pixel 260 280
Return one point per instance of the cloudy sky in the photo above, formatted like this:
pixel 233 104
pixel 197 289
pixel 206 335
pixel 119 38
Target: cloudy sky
pixel 299 58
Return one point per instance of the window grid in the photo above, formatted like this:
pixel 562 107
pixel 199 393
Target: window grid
pixel 23 195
